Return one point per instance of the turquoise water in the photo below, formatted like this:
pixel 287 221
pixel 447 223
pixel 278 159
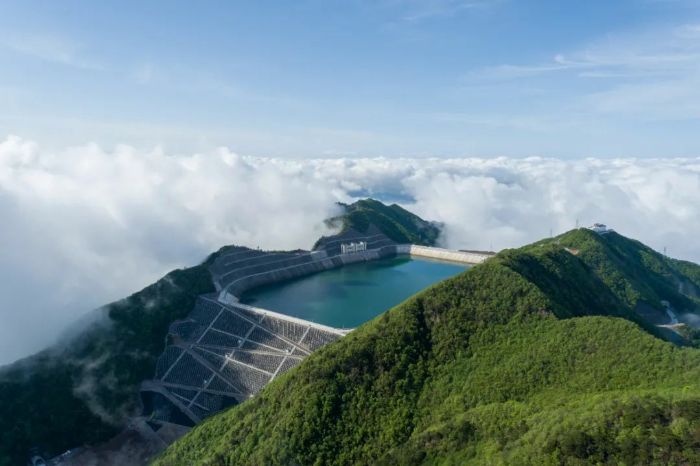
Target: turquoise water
pixel 351 295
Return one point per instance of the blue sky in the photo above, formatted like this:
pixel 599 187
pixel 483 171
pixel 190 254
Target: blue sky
pixel 329 78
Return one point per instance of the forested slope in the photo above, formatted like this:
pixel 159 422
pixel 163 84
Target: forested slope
pixel 393 220
pixel 516 361
pixel 82 390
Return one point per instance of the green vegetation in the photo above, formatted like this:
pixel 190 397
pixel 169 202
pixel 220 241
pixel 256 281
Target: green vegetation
pixel 635 272
pixel 82 391
pixel 534 357
pixel 394 221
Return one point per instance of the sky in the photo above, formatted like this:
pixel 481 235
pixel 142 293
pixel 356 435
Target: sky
pixel 325 78
pixel 136 138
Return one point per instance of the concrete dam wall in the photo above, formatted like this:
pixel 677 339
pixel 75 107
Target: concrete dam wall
pixel 221 355
pixel 252 269
pixel 465 257
pixel 301 265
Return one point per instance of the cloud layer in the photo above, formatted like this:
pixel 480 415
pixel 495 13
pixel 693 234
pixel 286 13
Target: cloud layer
pixel 84 226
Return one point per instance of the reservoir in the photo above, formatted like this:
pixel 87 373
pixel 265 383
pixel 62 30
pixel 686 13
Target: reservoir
pixel 353 294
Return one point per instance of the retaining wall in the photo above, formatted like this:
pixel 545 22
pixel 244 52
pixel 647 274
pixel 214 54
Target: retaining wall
pixel 319 261
pixel 442 254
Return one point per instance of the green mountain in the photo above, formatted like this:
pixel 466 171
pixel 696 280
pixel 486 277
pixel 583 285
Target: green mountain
pixel 548 354
pixel 84 390
pixel 394 221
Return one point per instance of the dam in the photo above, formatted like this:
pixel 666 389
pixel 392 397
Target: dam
pixel 271 309
pixel 349 296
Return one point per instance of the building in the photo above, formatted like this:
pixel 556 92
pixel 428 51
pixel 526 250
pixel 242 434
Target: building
pixel 600 228
pixel 350 248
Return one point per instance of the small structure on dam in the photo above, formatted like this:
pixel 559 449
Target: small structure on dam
pixel 351 248
pixel 225 352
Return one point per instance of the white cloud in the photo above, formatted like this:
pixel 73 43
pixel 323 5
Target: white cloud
pixel 53 49
pixel 658 52
pixel 506 202
pixel 648 75
pixel 83 226
pixel 418 10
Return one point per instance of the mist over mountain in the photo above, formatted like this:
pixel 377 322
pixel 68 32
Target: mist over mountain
pixel 382 232
pixel 86 225
pixel 533 304
pixel 90 380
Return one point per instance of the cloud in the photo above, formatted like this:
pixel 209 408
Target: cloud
pixel 651 53
pixel 52 49
pixel 83 226
pixel 505 202
pixel 419 10
pixel 648 75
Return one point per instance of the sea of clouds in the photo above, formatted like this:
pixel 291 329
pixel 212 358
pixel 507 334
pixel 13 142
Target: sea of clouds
pixel 84 226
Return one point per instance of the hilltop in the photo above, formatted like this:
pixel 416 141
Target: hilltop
pixel 394 221
pixel 84 390
pixel 547 354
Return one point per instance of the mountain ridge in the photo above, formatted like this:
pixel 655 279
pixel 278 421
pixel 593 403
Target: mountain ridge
pixel 515 361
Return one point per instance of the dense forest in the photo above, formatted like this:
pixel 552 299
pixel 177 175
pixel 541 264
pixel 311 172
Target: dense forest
pixel 83 390
pixel 547 354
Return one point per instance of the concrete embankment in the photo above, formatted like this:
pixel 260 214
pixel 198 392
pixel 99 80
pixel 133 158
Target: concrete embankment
pixel 319 261
pixel 442 254
pixel 286 318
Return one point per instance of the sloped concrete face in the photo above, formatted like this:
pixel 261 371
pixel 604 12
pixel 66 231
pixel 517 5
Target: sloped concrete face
pixel 224 354
pixel 464 257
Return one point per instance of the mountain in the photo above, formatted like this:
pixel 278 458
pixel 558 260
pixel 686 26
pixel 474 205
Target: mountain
pixel 84 390
pixel 547 354
pixel 394 221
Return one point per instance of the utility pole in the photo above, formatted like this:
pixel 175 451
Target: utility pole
pixel 577 223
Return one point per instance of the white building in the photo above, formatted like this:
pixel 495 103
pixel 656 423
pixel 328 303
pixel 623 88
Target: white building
pixel 600 228
pixel 350 248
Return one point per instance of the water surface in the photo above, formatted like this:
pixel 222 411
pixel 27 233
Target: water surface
pixel 353 294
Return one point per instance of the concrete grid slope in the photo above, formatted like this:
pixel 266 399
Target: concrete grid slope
pixel 222 355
